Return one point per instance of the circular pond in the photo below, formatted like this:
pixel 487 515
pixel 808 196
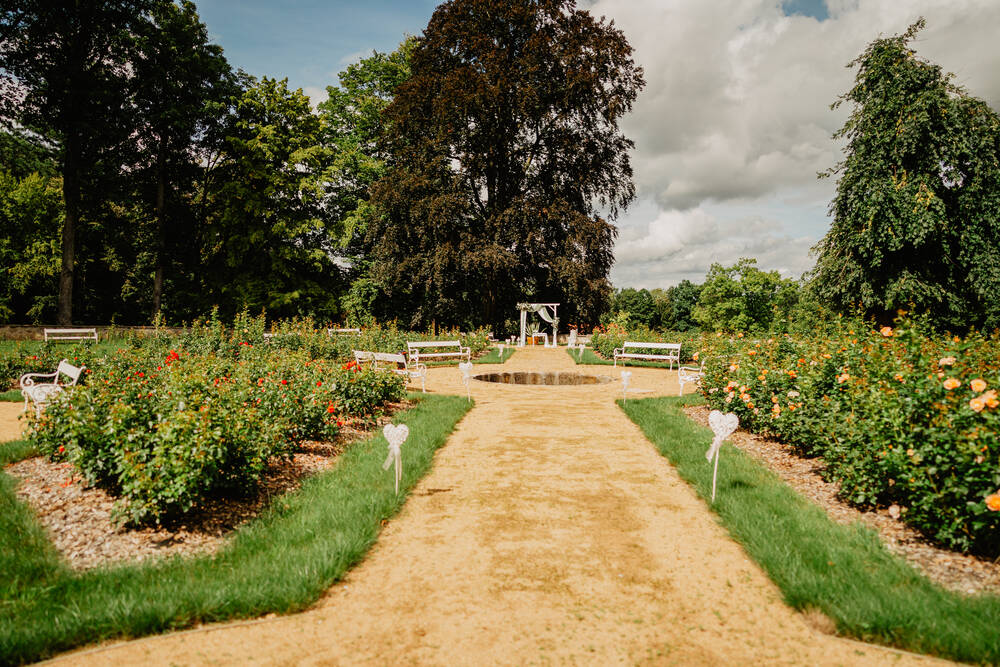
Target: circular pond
pixel 550 379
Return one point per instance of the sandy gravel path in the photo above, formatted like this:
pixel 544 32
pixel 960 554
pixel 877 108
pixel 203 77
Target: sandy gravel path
pixel 548 532
pixel 10 422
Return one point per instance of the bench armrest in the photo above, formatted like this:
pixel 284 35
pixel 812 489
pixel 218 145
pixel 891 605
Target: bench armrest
pixel 27 380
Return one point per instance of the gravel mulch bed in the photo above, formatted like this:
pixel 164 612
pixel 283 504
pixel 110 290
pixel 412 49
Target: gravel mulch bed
pixel 78 518
pixel 956 571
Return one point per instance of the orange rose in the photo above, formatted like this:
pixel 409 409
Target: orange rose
pixel 993 502
pixel 978 384
pixel 946 361
pixel 886 331
pixel 952 383
pixel 842 378
pixel 990 398
pixel 977 404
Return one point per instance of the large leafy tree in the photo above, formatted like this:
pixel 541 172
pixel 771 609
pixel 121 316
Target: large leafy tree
pixel 744 298
pixel 265 241
pixel 66 77
pixel 182 84
pixel 916 217
pixel 638 303
pixel 504 150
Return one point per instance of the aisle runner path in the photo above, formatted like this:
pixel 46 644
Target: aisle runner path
pixel 548 531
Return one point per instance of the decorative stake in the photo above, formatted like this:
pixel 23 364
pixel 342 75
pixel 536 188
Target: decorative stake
pixel 723 426
pixel 466 368
pixel 501 353
pixel 579 354
pixel 626 375
pixel 395 436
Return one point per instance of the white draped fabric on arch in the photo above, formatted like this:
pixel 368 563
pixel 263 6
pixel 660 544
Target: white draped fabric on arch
pixel 546 311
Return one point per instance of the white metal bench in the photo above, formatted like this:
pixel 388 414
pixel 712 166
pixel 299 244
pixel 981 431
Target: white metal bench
pixel 446 349
pixel 671 352
pixel 687 374
pixel 38 392
pixel 391 361
pixel 332 332
pixel 71 334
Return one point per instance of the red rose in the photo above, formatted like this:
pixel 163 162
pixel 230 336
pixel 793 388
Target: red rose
pixel 284 382
pixel 319 384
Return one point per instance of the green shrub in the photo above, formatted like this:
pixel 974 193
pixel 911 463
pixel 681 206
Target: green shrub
pixel 165 433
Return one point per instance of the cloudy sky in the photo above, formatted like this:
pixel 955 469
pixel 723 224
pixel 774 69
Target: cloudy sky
pixel 731 129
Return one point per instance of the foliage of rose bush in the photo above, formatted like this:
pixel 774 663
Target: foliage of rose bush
pixel 900 417
pixel 163 429
pixel 22 358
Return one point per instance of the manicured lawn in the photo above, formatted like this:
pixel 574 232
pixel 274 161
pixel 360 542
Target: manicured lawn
pixel 280 562
pixel 493 356
pixel 14 395
pixel 843 571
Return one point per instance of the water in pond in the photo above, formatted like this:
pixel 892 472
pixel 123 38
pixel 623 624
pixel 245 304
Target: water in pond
pixel 551 379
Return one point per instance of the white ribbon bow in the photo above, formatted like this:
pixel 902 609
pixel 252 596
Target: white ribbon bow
pixel 466 368
pixel 626 375
pixel 723 426
pixel 395 436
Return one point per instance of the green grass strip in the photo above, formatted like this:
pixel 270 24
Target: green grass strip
pixel 591 358
pixel 493 356
pixel 13 396
pixel 843 571
pixel 280 562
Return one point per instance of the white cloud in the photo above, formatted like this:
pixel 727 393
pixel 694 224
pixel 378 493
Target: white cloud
pixel 736 116
pixel 316 95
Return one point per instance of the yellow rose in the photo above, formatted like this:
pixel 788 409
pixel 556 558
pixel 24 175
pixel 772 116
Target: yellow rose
pixel 977 404
pixel 952 383
pixel 978 384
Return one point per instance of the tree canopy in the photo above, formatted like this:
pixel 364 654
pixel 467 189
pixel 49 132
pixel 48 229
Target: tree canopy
pixel 504 150
pixel 744 298
pixel 916 217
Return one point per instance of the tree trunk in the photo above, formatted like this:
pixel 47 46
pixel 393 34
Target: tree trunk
pixel 71 196
pixel 161 192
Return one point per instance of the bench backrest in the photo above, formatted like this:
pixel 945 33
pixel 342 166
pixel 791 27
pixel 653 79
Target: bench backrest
pixel 389 357
pixel 343 331
pixel 71 334
pixel 69 370
pixel 654 346
pixel 433 343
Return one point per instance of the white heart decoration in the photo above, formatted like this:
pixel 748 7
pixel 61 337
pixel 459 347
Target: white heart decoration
pixel 722 426
pixel 395 436
pixel 626 376
pixel 466 368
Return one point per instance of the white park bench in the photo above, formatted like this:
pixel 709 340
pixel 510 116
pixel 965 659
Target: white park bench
pixel 671 352
pixel 687 374
pixel 39 388
pixel 395 362
pixel 334 332
pixel 71 334
pixel 438 349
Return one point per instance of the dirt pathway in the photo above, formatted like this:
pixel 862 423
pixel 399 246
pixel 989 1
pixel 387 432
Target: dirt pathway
pixel 10 422
pixel 548 532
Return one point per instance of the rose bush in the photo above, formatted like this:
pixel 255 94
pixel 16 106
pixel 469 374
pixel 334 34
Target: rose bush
pixel 165 429
pixel 899 416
